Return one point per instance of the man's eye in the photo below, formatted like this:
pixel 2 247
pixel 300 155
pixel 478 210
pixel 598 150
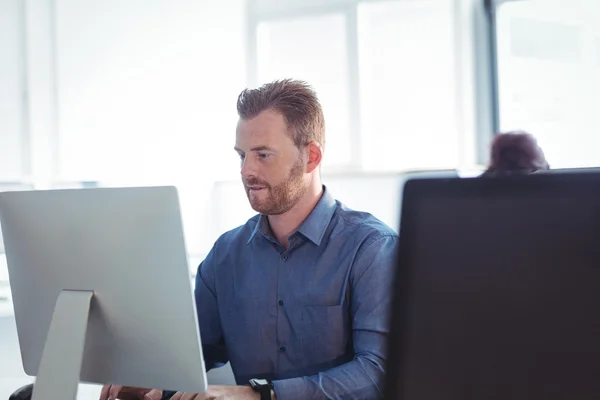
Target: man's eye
pixel 241 156
pixel 263 155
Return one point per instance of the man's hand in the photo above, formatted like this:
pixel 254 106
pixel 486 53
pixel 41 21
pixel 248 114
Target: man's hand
pixel 221 393
pixel 112 392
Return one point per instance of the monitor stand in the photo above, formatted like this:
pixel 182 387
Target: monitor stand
pixel 60 367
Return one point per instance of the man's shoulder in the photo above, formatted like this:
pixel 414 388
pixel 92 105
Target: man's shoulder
pixel 240 234
pixel 368 240
pixel 361 223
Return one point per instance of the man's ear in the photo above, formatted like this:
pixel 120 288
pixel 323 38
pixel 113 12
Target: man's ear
pixel 315 155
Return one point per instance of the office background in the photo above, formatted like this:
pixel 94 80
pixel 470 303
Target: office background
pixel 142 92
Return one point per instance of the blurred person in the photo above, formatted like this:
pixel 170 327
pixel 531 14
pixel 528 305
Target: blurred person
pixel 515 152
pixel 299 295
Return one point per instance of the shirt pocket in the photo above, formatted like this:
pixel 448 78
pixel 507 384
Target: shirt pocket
pixel 322 330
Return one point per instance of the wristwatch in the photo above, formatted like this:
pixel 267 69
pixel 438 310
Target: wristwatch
pixel 262 386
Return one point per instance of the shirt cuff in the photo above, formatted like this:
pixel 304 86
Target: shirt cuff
pixel 291 389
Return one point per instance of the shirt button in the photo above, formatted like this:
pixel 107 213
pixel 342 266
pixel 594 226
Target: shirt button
pixel 280 302
pixel 284 257
pixel 282 349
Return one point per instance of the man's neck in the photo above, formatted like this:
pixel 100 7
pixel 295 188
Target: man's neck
pixel 285 224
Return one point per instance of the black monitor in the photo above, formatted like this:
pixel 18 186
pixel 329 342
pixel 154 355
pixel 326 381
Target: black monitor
pixel 497 292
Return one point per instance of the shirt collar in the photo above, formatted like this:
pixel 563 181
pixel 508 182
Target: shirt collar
pixel 261 226
pixel 313 227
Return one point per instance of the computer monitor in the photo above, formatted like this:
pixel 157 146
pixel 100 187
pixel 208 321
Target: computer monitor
pixel 497 292
pixel 9 187
pixel 101 289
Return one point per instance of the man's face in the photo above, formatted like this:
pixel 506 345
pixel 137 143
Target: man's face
pixel 273 168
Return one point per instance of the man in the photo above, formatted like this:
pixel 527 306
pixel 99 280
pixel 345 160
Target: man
pixel 299 295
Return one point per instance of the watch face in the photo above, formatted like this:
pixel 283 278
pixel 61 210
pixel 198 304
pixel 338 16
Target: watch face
pixel 261 382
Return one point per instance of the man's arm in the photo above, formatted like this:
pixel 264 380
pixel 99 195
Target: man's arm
pixel 213 345
pixel 211 333
pixel 371 298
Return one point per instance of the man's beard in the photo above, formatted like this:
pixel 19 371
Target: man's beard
pixel 282 197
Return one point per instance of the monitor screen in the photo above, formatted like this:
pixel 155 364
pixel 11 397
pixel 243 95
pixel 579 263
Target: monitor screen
pixel 498 290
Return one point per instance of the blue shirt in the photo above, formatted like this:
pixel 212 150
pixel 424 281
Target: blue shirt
pixel 314 317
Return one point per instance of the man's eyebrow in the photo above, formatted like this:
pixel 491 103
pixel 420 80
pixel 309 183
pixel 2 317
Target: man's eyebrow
pixel 262 148
pixel 256 148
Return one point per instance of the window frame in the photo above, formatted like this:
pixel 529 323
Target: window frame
pixel 488 125
pixel 24 134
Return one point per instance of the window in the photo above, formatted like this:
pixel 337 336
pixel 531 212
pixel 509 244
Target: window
pixel 312 49
pixel 549 76
pixel 407 85
pixel 382 70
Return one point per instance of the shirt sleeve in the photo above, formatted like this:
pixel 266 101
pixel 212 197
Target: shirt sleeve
pixel 371 298
pixel 211 333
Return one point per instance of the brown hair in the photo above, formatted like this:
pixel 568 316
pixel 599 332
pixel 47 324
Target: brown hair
pixel 516 152
pixel 298 103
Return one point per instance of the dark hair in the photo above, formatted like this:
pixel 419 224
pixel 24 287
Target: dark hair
pixel 516 152
pixel 295 100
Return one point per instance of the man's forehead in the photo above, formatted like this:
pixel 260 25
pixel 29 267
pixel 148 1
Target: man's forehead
pixel 254 136
pixel 258 131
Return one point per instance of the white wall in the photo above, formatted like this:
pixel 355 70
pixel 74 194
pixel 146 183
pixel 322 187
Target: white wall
pixel 12 90
pixel 377 193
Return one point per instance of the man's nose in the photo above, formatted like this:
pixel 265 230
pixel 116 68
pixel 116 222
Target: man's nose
pixel 248 168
